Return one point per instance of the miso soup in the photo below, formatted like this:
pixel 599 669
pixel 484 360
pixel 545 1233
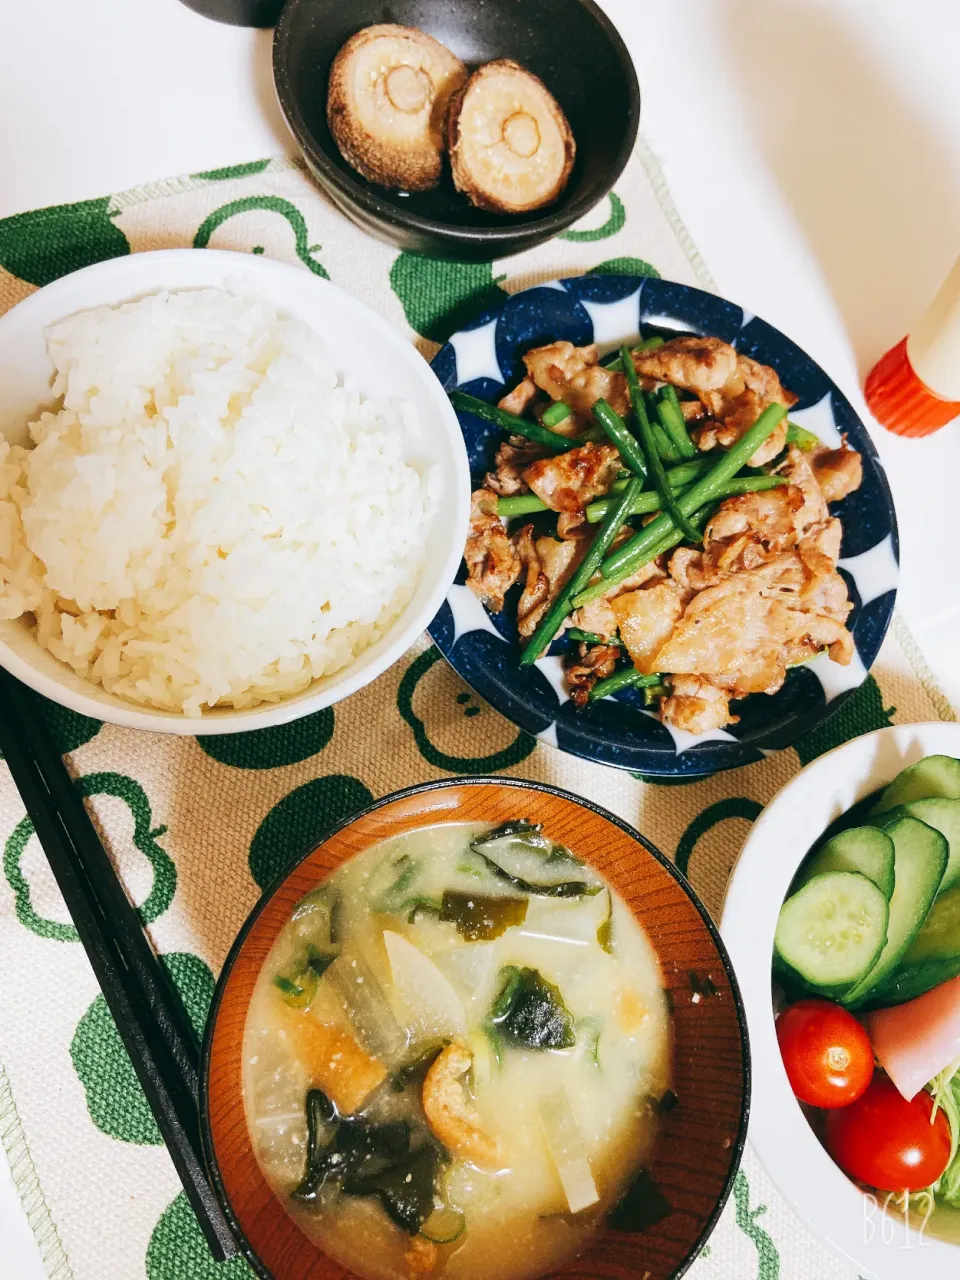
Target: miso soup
pixel 454 1056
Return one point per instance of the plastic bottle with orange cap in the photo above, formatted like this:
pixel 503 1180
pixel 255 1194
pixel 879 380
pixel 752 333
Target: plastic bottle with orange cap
pixel 915 388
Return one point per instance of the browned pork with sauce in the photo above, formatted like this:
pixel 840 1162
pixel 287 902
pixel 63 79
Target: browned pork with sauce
pixel 493 564
pixel 569 481
pixel 719 621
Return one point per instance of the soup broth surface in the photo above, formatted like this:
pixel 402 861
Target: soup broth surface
pixel 454 1056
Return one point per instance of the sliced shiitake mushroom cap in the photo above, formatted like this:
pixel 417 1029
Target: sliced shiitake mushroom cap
pixel 511 146
pixel 389 90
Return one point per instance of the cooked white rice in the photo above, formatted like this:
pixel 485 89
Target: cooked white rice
pixel 212 517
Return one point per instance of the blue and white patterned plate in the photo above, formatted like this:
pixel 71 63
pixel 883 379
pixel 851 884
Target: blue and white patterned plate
pixel 485 359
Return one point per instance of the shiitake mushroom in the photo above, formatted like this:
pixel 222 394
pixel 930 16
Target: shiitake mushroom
pixel 387 101
pixel 511 147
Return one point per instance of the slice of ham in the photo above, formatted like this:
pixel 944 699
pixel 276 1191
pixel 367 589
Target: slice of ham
pixel 917 1040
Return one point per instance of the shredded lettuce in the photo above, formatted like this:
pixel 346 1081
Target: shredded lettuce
pixel 945 1089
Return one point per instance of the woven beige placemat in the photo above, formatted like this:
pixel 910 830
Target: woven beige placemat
pixel 198 826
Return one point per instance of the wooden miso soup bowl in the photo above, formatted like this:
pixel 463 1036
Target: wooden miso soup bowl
pixel 700 1140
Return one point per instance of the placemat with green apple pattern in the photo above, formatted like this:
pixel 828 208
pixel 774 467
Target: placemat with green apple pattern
pixel 198 826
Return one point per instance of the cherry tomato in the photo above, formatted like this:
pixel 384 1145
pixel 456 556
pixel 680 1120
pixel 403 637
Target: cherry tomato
pixel 826 1053
pixel 887 1142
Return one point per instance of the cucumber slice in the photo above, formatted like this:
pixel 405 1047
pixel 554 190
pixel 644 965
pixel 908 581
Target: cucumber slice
pixel 831 932
pixel 944 815
pixel 920 859
pixel 864 849
pixel 932 776
pixel 933 956
pixel 911 981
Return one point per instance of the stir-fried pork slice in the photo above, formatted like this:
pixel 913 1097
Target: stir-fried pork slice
pixel 569 481
pixel 591 664
pixel 547 564
pixel 513 457
pixel 573 375
pixel 647 618
pixel 740 627
pixel 696 705
pixel 820 550
pixel 493 564
pixel 797 469
pixel 839 471
pixel 696 364
pixel 598 616
pixel 692 410
pixel 734 389
pixel 771 515
pixel 520 399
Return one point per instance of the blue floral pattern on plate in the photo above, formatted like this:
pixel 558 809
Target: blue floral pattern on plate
pixel 486 359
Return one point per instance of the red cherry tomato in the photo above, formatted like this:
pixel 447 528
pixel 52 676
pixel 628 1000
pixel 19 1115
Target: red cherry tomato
pixel 887 1142
pixel 826 1053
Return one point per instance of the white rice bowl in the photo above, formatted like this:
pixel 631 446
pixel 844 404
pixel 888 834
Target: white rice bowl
pixel 213 518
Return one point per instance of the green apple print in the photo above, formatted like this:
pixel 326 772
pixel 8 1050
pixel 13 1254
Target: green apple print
pixel 145 838
pixel 68 729
pixel 438 298
pixel 178 1251
pixel 301 818
pixel 624 267
pixel 768 1256
pixel 861 713
pixel 115 1100
pixel 454 716
pixel 730 807
pixel 272 748
pixel 232 171
pixel 45 244
pixel 271 204
pixel 613 224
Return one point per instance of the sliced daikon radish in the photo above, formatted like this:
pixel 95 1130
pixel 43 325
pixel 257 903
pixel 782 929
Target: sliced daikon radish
pixel 368 1009
pixel 569 1154
pixel 431 1007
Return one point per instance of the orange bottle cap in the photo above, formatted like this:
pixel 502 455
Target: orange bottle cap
pixel 901 402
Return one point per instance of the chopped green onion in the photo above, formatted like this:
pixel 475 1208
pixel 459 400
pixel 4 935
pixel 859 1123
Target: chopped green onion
pixel 511 422
pixel 616 429
pixel 633 554
pixel 804 440
pixel 648 344
pixel 628 678
pixel 654 461
pixel 521 504
pixel 678 477
pixel 556 413
pixel 552 619
pixel 673 422
pixel 590 637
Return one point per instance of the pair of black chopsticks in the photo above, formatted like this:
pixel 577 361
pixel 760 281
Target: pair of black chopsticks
pixel 146 1006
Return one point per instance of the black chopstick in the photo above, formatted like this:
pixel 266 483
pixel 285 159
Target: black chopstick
pixel 145 1005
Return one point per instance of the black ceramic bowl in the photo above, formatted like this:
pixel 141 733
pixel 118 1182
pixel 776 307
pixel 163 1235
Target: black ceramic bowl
pixel 570 44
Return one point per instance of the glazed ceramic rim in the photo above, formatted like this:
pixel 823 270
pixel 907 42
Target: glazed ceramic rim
pixel 212 268
pixel 818 1192
pixel 425 788
pixel 365 194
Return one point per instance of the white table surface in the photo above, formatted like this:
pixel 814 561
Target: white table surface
pixel 812 147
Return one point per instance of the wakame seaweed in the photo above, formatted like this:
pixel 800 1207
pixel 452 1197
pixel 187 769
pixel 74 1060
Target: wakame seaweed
pixel 479 918
pixel 521 828
pixel 530 1012
pixel 346 1146
pixel 563 889
pixel 643 1205
pixel 406 1188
